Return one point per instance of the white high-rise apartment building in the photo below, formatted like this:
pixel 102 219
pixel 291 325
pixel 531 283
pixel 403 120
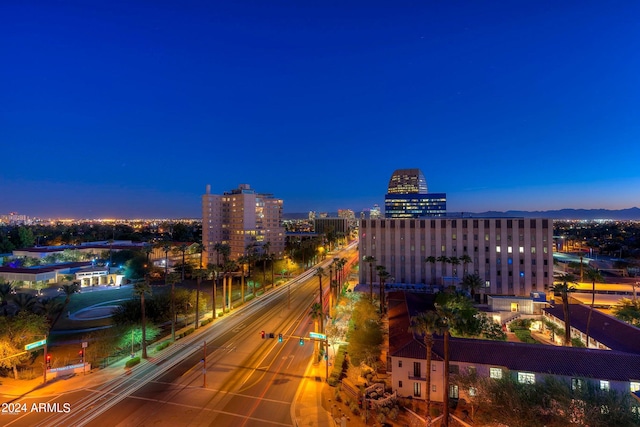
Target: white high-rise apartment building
pixel 241 218
pixel 513 256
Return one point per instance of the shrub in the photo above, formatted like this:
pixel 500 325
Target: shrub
pixel 163 345
pixel 354 409
pixel 206 321
pixel 524 335
pixel 393 413
pixel 132 362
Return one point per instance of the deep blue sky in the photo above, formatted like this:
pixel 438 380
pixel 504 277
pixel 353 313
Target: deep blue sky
pixel 129 108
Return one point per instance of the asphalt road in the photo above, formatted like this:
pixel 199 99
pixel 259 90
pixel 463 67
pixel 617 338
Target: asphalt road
pixel 250 381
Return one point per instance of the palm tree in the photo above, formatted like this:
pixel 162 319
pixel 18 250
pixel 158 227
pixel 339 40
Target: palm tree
pixel 50 307
pixel 24 302
pixel 319 274
pixel 316 314
pixel 594 276
pixel 68 290
pixel 371 260
pixel 465 259
pixel 473 283
pixel 242 261
pixel 229 268
pixel 172 279
pixel 564 289
pixel 383 275
pixel 200 249
pixel 140 288
pixel 454 261
pixel 183 249
pixel 444 260
pixel 431 260
pixel 212 269
pixel 265 256
pixel 426 324
pixel 447 316
pixel 6 292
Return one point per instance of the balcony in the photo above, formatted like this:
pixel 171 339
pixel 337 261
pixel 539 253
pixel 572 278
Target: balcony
pixel 416 375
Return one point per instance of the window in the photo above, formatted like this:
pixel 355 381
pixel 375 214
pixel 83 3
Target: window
pixel 472 391
pixel 495 373
pixel 399 363
pixel 454 392
pixel 417 390
pixel 604 385
pixel 399 384
pixel 498 249
pixel 526 378
pixel 577 383
pixel 454 369
pixel 416 369
pixel 433 388
pixel 634 386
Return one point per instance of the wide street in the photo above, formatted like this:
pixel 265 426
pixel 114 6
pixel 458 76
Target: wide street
pixel 244 380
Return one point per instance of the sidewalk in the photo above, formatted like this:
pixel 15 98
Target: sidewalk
pixel 307 409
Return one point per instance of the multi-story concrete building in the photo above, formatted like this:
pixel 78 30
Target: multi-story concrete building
pixel 527 363
pixel 407 196
pixel 240 218
pixel 512 255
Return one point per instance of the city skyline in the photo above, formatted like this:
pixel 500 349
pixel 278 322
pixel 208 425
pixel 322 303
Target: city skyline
pixel 130 110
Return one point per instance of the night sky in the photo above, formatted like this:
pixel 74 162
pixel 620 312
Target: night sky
pixel 130 108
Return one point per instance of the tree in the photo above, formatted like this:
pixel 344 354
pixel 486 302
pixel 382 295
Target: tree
pixel 68 290
pixel 594 276
pixel 431 260
pixel 6 292
pixel 473 283
pixel 23 302
pixel 384 275
pixel 320 274
pixel 15 332
pixel 213 270
pixel 200 249
pixel 140 288
pixel 317 315
pixel 444 260
pixel 628 310
pixel 447 316
pixel 426 324
pixel 172 279
pixel 366 335
pixel 371 260
pixel 265 256
pixel 564 288
pixel 455 262
pixel 465 259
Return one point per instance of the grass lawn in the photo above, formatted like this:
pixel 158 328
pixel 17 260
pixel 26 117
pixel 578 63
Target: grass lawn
pixel 87 299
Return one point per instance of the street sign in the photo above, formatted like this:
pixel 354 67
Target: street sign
pixel 35 344
pixel 84 344
pixel 317 336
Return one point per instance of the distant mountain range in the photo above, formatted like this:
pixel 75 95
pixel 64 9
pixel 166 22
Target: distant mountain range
pixel 587 214
pixel 619 214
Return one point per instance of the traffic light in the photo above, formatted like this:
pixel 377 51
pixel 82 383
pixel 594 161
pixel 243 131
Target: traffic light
pixel 262 334
pixel 48 361
pixel 81 355
pixel 301 341
pixel 279 337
